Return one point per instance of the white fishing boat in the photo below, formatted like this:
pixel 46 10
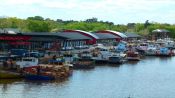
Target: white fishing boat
pixel 83 61
pixel 100 54
pixel 151 50
pixel 167 42
pixel 27 62
pixel 142 47
pixel 118 58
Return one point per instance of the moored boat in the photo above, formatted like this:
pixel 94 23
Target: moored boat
pixel 141 48
pixel 166 42
pixel 38 77
pixel 133 56
pixel 46 72
pixel 34 73
pixel 100 55
pixel 27 62
pixel 116 58
pixel 151 50
pixel 84 61
pixel 10 75
pixel 163 51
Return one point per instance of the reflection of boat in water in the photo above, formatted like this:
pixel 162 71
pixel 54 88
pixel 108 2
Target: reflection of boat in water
pixel 83 65
pixel 6 84
pixel 10 81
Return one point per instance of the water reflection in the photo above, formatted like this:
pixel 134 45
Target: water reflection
pixel 6 83
pixel 132 62
pixel 165 58
pixel 152 77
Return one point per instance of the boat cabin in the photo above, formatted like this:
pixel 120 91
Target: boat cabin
pixel 27 62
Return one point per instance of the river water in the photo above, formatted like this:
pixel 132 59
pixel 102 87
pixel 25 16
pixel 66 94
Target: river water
pixel 153 77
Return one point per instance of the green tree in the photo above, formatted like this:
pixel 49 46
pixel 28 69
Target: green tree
pixel 36 18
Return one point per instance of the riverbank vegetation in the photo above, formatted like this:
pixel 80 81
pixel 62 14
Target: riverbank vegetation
pixel 39 24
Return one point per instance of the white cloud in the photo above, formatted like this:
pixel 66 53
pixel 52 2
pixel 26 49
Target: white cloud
pixel 125 10
pixel 94 4
pixel 20 2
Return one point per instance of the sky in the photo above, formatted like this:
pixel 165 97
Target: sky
pixel 117 11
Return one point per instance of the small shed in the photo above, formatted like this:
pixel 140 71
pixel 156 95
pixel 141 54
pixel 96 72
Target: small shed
pixel 160 34
pixel 132 36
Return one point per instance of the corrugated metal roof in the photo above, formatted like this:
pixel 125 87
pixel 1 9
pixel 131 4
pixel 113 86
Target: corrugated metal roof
pixel 160 31
pixel 105 36
pixel 118 33
pixel 71 36
pixel 39 33
pixel 48 34
pixel 46 39
pixel 74 36
pixel 42 36
pixel 91 34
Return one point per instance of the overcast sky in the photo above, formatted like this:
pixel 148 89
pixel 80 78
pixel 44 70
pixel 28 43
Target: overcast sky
pixel 117 11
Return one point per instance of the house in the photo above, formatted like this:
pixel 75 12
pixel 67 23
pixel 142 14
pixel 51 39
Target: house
pixel 160 34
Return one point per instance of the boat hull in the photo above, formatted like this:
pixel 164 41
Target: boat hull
pixel 100 61
pixel 115 60
pixel 133 58
pixel 38 77
pixel 79 66
pixel 9 75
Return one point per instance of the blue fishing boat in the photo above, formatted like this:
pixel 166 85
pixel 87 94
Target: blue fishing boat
pixel 36 73
pixel 38 77
pixel 163 51
pixel 121 47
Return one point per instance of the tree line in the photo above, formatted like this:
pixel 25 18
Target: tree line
pixel 39 24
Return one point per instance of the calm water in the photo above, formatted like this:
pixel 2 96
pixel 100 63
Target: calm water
pixel 150 78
